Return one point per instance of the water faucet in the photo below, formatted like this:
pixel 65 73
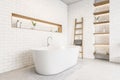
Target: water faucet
pixel 48 44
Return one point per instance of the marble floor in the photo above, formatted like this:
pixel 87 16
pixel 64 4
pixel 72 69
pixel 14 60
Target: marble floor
pixel 86 69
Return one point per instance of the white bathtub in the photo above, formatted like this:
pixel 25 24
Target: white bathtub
pixel 53 60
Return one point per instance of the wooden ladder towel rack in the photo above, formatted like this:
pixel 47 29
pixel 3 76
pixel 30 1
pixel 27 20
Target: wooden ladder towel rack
pixel 79 42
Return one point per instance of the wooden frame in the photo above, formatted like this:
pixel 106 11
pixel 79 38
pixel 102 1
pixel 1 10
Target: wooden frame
pixel 38 20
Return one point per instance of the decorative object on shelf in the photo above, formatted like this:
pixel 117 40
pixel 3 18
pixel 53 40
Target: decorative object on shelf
pixel 97 19
pixel 34 24
pixel 17 23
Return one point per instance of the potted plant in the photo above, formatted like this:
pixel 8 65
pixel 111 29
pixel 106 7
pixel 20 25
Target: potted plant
pixel 34 24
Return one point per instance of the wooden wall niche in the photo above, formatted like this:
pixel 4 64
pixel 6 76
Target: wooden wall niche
pixel 25 22
pixel 101 24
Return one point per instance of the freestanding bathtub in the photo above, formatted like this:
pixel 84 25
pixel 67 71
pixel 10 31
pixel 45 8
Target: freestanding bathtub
pixel 53 60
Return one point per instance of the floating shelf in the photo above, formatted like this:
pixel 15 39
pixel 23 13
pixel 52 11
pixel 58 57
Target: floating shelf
pixel 102 12
pixel 101 33
pixel 103 22
pixel 101 25
pixel 101 3
pixel 101 44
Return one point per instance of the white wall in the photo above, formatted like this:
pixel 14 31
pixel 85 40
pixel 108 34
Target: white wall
pixel 16 43
pixel 114 30
pixel 83 8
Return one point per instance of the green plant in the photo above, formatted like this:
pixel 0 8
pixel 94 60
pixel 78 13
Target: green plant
pixel 33 23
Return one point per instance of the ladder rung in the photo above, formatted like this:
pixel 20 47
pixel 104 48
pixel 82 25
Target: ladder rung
pixel 78 39
pixel 78 34
pixel 78 28
pixel 79 22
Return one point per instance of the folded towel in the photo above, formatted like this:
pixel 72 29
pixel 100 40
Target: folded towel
pixel 101 56
pixel 78 42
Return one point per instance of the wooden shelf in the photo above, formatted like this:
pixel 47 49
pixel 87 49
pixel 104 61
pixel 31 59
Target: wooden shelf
pixel 101 33
pixel 101 3
pixel 102 12
pixel 103 22
pixel 101 44
pixel 38 20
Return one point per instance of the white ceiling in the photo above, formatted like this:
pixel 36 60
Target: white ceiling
pixel 70 1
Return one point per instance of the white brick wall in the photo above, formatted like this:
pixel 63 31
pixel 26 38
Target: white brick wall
pixel 16 43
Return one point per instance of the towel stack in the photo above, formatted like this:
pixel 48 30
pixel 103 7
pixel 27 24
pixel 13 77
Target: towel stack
pixel 78 42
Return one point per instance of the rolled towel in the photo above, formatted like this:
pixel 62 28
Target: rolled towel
pixel 78 42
